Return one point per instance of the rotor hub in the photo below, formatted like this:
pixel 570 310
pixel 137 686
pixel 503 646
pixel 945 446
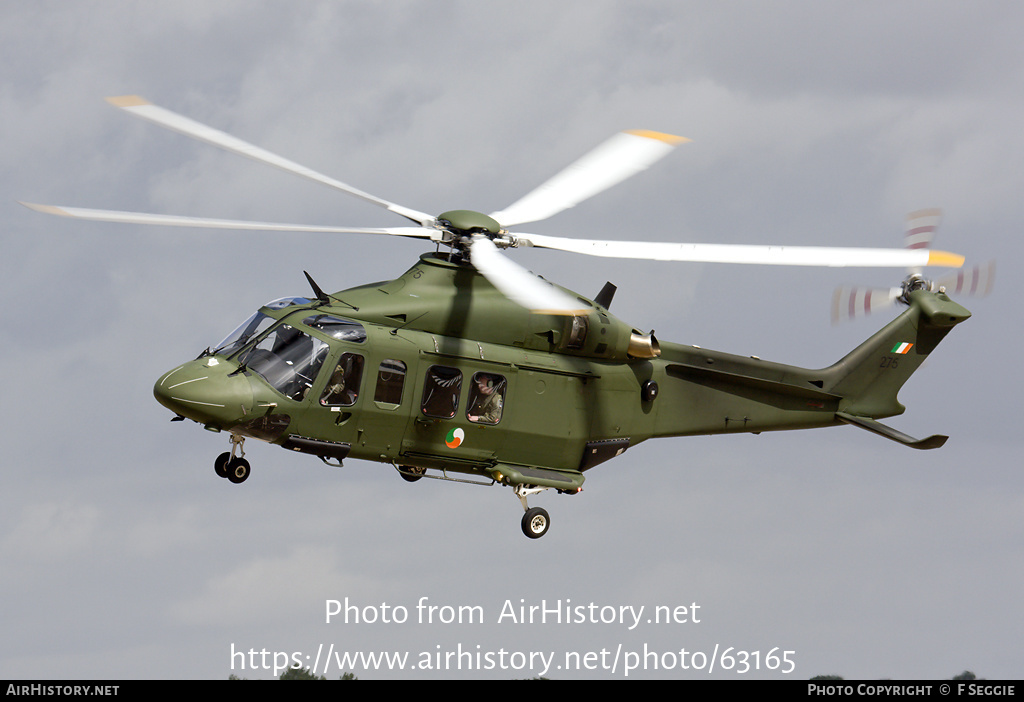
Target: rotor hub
pixel 468 222
pixel 914 282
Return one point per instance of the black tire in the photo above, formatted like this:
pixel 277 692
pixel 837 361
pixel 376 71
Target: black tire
pixel 238 470
pixel 220 466
pixel 536 522
pixel 411 473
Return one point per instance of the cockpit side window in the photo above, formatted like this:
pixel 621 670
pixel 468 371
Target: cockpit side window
pixel 286 358
pixel 441 392
pixel 343 385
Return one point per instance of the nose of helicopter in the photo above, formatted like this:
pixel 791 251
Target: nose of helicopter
pixel 205 391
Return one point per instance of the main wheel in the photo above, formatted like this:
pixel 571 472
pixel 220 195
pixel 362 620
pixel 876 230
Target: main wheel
pixel 536 522
pixel 238 470
pixel 411 473
pixel 221 464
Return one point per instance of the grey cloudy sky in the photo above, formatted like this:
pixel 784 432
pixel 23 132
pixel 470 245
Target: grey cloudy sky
pixel 812 123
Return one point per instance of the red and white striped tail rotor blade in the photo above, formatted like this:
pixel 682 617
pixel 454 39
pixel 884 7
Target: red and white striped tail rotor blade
pixel 977 280
pixel 852 302
pixel 921 226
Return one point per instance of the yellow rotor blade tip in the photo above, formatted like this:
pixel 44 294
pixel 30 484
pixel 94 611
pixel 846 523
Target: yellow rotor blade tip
pixel 660 136
pixel 45 209
pixel 127 101
pixel 945 259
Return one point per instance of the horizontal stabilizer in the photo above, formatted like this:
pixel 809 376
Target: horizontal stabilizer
pixel 932 442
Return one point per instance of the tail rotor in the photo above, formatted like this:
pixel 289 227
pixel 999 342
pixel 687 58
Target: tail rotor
pixel 853 302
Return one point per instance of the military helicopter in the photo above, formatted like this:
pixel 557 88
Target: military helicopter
pixel 469 368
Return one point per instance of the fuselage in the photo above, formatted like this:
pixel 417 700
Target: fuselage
pixel 437 369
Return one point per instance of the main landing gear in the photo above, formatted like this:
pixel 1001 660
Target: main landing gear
pixel 536 520
pixel 411 474
pixel 228 465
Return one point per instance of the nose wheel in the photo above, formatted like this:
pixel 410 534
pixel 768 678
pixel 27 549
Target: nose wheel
pixel 235 468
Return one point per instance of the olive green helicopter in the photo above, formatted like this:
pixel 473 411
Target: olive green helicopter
pixel 469 368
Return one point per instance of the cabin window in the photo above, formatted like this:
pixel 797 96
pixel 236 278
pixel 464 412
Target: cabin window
pixel 390 381
pixel 343 385
pixel 441 392
pixel 486 398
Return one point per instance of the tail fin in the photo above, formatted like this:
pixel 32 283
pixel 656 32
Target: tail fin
pixel 871 375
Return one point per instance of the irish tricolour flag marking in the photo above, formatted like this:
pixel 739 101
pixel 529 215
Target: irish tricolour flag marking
pixel 901 348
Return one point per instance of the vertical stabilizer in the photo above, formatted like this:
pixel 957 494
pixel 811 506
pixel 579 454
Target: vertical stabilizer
pixel 869 377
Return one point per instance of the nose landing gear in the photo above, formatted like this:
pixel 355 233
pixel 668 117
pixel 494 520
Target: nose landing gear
pixel 228 465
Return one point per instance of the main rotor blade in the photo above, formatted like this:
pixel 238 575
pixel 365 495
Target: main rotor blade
pixel 141 107
pixel 202 222
pixel 624 155
pixel 518 284
pixel 749 254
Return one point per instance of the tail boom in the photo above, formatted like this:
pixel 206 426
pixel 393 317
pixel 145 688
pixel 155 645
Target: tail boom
pixel 709 392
